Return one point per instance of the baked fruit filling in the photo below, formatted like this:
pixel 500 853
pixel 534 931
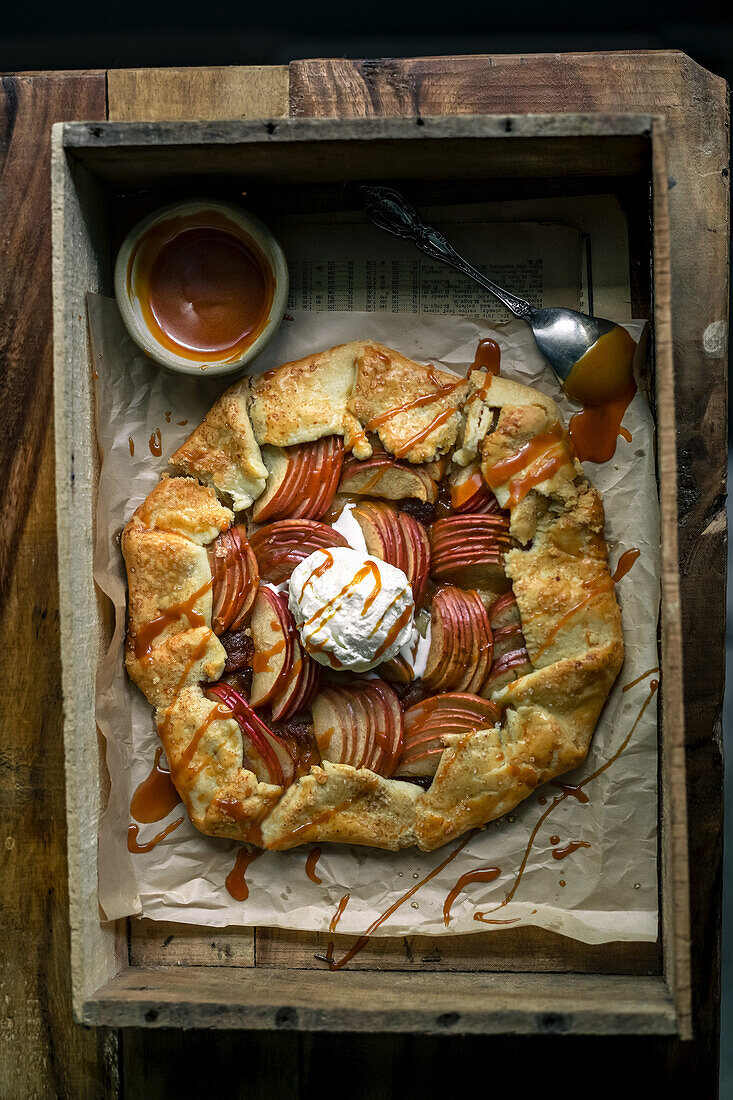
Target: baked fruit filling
pixel 380 612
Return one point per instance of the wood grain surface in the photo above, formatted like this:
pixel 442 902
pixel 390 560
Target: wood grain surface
pixel 41 1052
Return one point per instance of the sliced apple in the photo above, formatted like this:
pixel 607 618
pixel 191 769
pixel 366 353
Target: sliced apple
pixel 427 723
pixel 386 717
pixel 302 480
pixel 274 635
pixel 460 654
pixel 360 725
pixel 263 752
pixel 331 731
pixel 509 667
pixel 282 545
pixel 417 544
pixel 300 686
pixel 469 493
pixel 397 538
pixel 382 476
pixel 478 542
pixel 396 671
pixel 235 579
pixel 324 474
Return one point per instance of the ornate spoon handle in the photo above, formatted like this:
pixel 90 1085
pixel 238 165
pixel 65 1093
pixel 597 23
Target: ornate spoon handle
pixel 390 210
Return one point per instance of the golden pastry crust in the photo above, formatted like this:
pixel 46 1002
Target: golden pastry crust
pixel 308 399
pixel 388 385
pixel 559 572
pixel 223 452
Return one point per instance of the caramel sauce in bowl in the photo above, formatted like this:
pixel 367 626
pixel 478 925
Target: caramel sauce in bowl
pixel 201 286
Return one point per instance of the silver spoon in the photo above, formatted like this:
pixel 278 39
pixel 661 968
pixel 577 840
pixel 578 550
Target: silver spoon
pixel 562 335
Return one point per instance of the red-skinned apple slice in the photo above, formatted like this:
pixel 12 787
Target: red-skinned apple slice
pixel 507 668
pixel 278 759
pixel 274 635
pixel 381 476
pixel 428 722
pixel 417 545
pixel 469 493
pixel 387 728
pixel 251 576
pixel 235 578
pixel 300 686
pixel 278 494
pixel 396 670
pixel 463 659
pixel 332 732
pixel 325 474
pixel 302 480
pixel 483 642
pixel 441 643
pixel 282 545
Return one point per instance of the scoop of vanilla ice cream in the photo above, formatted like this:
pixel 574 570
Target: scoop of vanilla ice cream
pixel 351 609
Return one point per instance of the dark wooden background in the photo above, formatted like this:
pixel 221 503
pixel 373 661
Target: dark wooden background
pixel 42 1052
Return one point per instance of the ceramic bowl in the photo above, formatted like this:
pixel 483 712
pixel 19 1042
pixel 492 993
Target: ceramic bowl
pixel 129 302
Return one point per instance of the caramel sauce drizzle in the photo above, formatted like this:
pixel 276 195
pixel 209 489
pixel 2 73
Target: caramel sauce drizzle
pixel 156 796
pixel 148 632
pixel 625 563
pixel 488 357
pixel 633 683
pixel 134 830
pixel 197 654
pixel 261 659
pixel 600 590
pixel 560 853
pixel 603 382
pixel 156 443
pixel 235 881
pixel 319 569
pixel 310 866
pixel 363 940
pixel 536 461
pixel 466 489
pixel 442 389
pixel 436 422
pixel 567 791
pixel 219 710
pixel 339 912
pixel 486 874
pixel 325 613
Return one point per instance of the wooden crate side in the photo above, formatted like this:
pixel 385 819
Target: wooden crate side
pixel 167 943
pixel 97 951
pixel 362 1001
pixel 675 891
pixel 506 950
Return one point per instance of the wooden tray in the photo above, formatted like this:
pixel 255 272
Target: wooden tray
pixel 141 973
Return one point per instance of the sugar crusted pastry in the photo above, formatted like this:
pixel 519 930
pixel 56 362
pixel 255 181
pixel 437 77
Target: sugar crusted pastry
pixel 521 557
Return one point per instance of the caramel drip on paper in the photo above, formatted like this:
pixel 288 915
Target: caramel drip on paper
pixel 567 791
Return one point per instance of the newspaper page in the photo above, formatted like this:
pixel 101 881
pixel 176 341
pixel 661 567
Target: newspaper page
pixel 367 271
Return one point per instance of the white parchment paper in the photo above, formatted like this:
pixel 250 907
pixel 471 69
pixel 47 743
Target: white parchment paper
pixel 610 890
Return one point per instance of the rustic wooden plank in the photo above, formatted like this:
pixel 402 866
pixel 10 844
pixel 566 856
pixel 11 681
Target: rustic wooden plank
pixel 675 892
pixel 510 950
pixel 165 943
pixel 236 91
pixel 42 1052
pixel 694 103
pixel 353 1000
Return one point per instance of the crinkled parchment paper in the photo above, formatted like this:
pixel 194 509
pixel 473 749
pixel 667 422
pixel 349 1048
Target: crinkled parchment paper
pixel 610 890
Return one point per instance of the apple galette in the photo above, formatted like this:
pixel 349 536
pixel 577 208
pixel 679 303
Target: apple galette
pixel 371 604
